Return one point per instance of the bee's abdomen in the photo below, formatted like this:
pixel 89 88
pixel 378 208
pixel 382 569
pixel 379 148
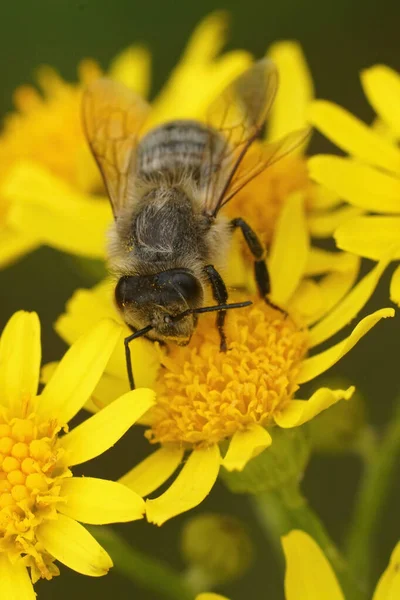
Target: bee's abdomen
pixel 174 149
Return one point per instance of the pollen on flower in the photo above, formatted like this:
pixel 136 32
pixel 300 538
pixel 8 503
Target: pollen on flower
pixel 31 470
pixel 205 396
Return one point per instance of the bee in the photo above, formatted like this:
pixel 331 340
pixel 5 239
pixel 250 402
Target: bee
pixel 167 188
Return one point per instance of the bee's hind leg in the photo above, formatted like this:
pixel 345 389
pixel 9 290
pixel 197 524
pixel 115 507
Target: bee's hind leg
pixel 260 267
pixel 220 294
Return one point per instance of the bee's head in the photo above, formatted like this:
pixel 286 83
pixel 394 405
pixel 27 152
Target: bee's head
pixel 157 300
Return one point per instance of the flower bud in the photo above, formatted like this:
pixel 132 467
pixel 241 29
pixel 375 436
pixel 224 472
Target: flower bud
pixel 217 548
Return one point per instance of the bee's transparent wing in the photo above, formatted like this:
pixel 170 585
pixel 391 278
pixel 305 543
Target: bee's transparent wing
pixel 112 118
pixel 239 114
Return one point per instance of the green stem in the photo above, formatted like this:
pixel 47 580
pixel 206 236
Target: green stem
pixel 142 569
pixel 291 511
pixel 371 498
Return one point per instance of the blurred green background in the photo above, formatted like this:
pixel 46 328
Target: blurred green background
pixel 339 38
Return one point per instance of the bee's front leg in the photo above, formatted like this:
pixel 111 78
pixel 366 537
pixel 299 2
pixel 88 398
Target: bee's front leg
pixel 220 294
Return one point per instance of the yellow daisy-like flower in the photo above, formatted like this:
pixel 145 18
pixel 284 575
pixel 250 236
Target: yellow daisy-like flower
pixel 40 500
pixel 205 397
pixel 47 172
pixel 50 189
pixel 370 178
pixel 309 574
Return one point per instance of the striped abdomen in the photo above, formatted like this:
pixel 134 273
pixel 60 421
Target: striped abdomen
pixel 176 149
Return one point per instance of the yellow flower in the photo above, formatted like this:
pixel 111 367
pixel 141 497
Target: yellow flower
pixel 206 397
pixel 42 146
pixel 369 179
pixel 310 576
pixel 41 501
pixel 55 197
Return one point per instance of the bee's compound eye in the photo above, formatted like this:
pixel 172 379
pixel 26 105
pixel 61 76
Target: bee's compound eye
pixel 167 319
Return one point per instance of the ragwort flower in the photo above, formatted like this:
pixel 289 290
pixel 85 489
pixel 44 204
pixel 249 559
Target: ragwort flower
pixel 309 575
pixel 370 178
pixel 206 398
pixel 41 501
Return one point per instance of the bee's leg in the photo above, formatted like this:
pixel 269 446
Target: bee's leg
pixel 128 360
pixel 220 294
pixel 260 267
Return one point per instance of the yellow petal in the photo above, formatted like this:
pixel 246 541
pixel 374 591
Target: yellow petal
pixel 211 596
pixel 15 583
pixel 153 471
pixel 323 225
pixel 361 185
pixel 132 68
pixel 324 199
pixel 369 236
pixel 395 287
pixel 192 88
pixel 332 289
pixel 288 261
pixel 295 92
pixel 71 544
pixel 297 412
pixel 312 300
pixel 383 130
pixel 314 366
pixel 101 431
pixel 20 356
pixel 14 244
pixel 208 38
pixel 200 74
pixel 79 371
pixel 107 390
pixel 309 576
pixel 388 587
pixel 189 489
pixel 353 136
pixel 47 208
pixel 348 308
pixel 98 501
pixel 244 446
pixel 382 88
pixel 84 310
pixel 307 302
pixel 322 261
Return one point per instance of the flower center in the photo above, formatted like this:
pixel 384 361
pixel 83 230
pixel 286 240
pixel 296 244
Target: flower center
pixel 30 477
pixel 205 395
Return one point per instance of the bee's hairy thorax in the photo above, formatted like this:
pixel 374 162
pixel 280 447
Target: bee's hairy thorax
pixel 164 225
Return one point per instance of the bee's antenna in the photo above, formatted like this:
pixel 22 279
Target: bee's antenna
pixel 127 341
pixel 205 309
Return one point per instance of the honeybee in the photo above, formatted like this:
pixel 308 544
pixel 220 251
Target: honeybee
pixel 167 188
